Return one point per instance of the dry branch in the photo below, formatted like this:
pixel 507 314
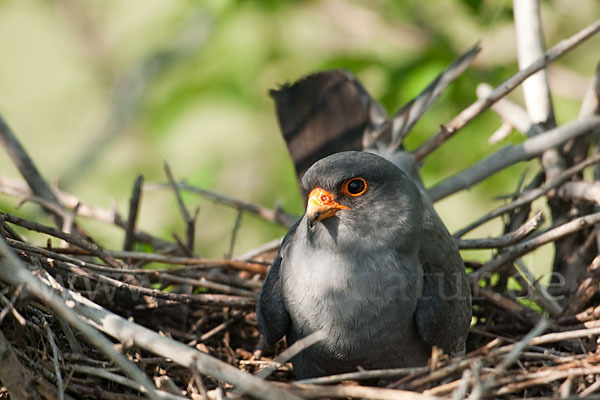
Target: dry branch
pixel 513 154
pixel 467 115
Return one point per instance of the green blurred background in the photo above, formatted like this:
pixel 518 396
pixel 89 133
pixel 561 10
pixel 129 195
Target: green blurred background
pixel 101 91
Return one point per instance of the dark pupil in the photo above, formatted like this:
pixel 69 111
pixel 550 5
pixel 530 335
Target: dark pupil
pixel 355 186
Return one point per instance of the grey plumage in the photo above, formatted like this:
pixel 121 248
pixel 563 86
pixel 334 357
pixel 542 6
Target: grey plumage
pixel 382 281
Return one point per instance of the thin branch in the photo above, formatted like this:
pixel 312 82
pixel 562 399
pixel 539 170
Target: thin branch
pixel 512 154
pixel 510 112
pixel 530 48
pixel 586 289
pixel 298 346
pixel 121 380
pixel 504 240
pixel 134 204
pixel 27 168
pixel 538 293
pixel 509 85
pixel 276 216
pixel 362 392
pixel 591 102
pixel 190 222
pixel 531 244
pixel 236 227
pixel 15 273
pixel 361 375
pixel 406 118
pixel 587 191
pixel 54 348
pixel 530 196
pixel 512 356
pixel 17 188
pixel 75 240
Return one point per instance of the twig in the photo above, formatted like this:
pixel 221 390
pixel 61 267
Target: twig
pixel 539 293
pixel 518 347
pixel 271 246
pixel 504 240
pixel 530 48
pixel 527 246
pixel 588 191
pixel 285 356
pixel 236 227
pixel 126 331
pixel 190 222
pixel 134 204
pixel 586 289
pixel 510 112
pixel 501 133
pixel 481 105
pixel 530 196
pixel 361 375
pixel 501 301
pixel 18 188
pixel 512 154
pixel 277 216
pixel 591 102
pixel 76 240
pixel 213 300
pixel 9 306
pixel 27 168
pixel 362 392
pixel 405 118
pixel 121 380
pixel 544 377
pixel 15 273
pixel 54 348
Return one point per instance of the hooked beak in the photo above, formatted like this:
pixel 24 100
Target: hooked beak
pixel 321 205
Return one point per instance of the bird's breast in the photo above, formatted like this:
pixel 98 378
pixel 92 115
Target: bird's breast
pixel 356 301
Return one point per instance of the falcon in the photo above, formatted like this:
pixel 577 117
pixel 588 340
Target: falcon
pixel 369 268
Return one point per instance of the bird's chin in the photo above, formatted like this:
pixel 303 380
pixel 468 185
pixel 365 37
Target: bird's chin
pixel 326 228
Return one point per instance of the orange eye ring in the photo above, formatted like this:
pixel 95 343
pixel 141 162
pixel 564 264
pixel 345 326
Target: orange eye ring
pixel 354 187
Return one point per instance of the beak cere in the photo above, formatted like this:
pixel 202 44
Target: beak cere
pixel 321 205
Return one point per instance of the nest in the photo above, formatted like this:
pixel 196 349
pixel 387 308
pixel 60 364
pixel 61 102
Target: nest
pixel 80 321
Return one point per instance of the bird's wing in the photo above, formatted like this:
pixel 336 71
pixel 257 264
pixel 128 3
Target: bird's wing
pixel 273 318
pixel 443 313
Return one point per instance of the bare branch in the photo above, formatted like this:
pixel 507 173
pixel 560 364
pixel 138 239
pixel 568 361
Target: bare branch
pixel 189 221
pixel 510 112
pixel 512 154
pixel 134 203
pixel 27 168
pixel 15 273
pixel 530 196
pixel 504 240
pixel 277 216
pixel 530 48
pixel 406 118
pixel 126 331
pixel 587 191
pixel 531 244
pixel 509 85
pixel 591 102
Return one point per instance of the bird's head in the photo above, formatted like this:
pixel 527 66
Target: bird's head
pixel 356 194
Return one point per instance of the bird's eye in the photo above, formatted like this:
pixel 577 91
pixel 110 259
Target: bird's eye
pixel 354 187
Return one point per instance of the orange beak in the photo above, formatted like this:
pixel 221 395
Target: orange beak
pixel 321 205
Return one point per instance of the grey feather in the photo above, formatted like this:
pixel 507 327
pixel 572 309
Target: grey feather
pixel 367 278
